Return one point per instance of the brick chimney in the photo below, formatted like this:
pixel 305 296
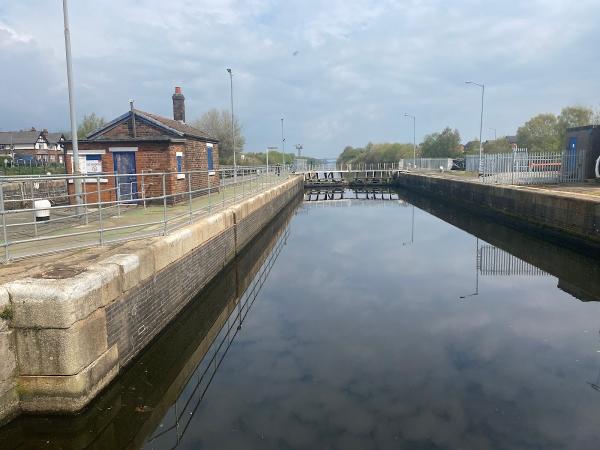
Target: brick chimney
pixel 178 105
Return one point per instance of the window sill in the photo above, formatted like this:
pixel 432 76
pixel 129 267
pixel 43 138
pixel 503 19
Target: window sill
pixel 91 180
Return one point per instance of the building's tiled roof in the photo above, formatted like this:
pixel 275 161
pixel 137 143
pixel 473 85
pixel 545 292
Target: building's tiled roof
pixel 170 127
pixel 176 125
pixel 18 137
pixel 54 138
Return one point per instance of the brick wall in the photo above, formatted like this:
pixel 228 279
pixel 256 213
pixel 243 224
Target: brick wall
pixel 135 319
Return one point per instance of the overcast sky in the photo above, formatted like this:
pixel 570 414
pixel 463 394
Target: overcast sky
pixel 340 74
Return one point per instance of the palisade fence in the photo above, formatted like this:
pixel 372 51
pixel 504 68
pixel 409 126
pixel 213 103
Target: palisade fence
pixel 524 168
pixel 41 215
pixel 402 164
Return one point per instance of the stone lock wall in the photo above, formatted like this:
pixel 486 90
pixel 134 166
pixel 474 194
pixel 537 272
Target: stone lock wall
pixel 573 221
pixel 68 337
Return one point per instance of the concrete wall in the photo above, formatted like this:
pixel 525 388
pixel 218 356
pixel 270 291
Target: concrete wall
pixel 70 336
pixel 569 220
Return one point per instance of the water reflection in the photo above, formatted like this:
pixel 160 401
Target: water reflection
pixel 357 341
pixel 156 398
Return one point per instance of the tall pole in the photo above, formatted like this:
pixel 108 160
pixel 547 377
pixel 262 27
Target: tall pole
pixel 282 143
pixel 76 169
pixel 232 125
pixel 482 86
pixel 414 119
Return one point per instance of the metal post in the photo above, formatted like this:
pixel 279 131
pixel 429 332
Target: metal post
pixel 35 229
pixel 99 198
pixel 143 190
pixel 209 196
pixel 232 125
pixel 76 168
pixel 282 144
pixel 4 231
pixel 164 187
pixel 482 86
pixel 189 176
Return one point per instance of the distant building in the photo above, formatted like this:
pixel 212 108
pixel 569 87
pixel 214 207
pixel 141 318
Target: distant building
pixel 139 142
pixel 585 143
pixel 33 145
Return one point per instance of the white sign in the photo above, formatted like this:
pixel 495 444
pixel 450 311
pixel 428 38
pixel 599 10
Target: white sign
pixel 93 166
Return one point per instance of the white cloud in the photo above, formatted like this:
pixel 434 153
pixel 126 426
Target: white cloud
pixel 340 73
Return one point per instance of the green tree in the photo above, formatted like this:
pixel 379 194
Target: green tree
pixel 440 145
pixel 500 145
pixel 217 124
pixel 89 123
pixel 349 154
pixel 540 134
pixel 573 116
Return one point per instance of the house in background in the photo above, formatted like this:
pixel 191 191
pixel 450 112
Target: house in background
pixel 34 145
pixel 585 143
pixel 139 142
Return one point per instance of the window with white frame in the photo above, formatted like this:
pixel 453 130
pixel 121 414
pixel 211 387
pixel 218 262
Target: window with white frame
pixel 209 158
pixel 179 159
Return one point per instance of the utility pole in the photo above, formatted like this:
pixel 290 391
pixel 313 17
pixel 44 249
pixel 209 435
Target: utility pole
pixel 232 126
pixel 482 86
pixel 76 168
pixel 282 143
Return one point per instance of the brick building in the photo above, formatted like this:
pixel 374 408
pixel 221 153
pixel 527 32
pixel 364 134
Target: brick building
pixel 137 144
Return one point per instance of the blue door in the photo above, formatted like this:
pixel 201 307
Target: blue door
pixel 126 181
pixel 570 163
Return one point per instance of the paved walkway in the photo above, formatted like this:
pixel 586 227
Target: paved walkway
pixel 134 221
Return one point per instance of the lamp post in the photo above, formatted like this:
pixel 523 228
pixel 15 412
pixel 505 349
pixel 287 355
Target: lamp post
pixel 414 137
pixel 76 168
pixel 482 86
pixel 232 125
pixel 282 144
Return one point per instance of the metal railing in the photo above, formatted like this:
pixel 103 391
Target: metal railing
pixel 523 168
pixel 427 163
pixel 119 207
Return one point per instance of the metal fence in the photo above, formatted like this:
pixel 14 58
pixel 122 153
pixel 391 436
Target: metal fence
pixel 523 168
pixel 494 261
pixel 427 163
pixel 117 207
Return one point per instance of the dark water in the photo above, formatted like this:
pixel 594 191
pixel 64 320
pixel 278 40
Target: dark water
pixel 365 324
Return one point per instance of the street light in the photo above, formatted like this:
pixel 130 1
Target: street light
pixel 76 172
pixel 232 126
pixel 282 144
pixel 482 86
pixel 414 137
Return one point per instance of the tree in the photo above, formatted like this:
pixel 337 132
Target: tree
pixel 500 145
pixel 217 124
pixel 573 116
pixel 441 145
pixel 89 123
pixel 540 134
